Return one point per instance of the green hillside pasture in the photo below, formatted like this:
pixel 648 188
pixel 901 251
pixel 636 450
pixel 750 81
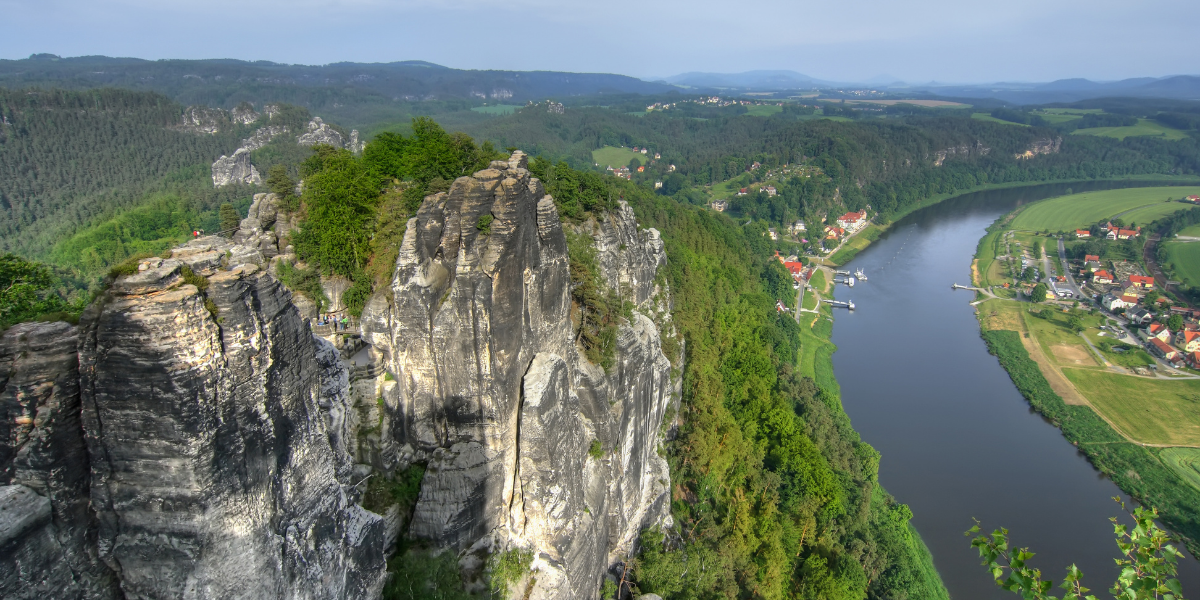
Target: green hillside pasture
pixel 1184 258
pixel 764 110
pixel 611 156
pixel 990 118
pixel 1185 462
pixel 1151 411
pixel 1144 127
pixel 1077 211
pixel 1193 231
pixel 497 109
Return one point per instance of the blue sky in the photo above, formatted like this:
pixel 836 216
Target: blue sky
pixel 917 41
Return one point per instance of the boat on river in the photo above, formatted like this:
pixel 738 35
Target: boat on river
pixel 860 275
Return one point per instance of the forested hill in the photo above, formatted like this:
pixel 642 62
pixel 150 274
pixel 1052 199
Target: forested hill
pixel 890 164
pixel 225 83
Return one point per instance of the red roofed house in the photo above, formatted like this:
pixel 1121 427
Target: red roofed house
pixel 1193 360
pixel 1102 276
pixel 1083 233
pixel 1189 341
pixel 1195 199
pixel 1158 330
pixel 1146 283
pixel 833 233
pixel 794 267
pixel 1129 299
pixel 852 220
pixel 1162 349
pixel 1124 234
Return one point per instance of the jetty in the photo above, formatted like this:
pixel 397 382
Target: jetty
pixel 847 304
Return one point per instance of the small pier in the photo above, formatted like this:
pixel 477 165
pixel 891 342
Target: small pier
pixel 847 304
pixel 967 287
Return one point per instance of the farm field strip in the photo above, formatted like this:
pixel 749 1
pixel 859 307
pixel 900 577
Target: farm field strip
pixel 1150 411
pixel 1077 211
pixel 1185 462
pixel 611 156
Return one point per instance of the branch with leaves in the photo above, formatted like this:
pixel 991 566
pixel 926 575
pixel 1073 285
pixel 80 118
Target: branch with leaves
pixel 1148 566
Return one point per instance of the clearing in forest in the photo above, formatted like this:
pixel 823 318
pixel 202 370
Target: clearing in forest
pixel 1079 211
pixel 612 156
pixel 1144 127
pixel 1152 411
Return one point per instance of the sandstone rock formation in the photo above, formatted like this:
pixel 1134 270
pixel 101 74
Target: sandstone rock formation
pixel 1042 146
pixel 959 151
pixel 494 393
pixel 319 132
pixel 192 437
pixel 263 136
pixel 235 169
pixel 206 431
pixel 203 120
pixel 244 113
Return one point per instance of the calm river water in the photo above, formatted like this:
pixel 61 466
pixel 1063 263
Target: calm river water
pixel 958 440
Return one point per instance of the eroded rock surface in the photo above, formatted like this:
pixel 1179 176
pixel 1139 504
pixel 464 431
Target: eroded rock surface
pixel 235 169
pixel 319 132
pixel 494 393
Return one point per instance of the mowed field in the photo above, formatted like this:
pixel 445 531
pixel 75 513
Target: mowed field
pixel 611 156
pixel 497 109
pixel 1185 462
pixel 1079 211
pixel 1152 411
pixel 1144 127
pixel 1185 261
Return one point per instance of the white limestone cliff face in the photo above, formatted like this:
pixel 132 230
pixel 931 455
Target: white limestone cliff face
pixel 493 392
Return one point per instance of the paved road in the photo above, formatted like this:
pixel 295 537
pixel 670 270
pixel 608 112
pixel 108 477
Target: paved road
pixel 1066 268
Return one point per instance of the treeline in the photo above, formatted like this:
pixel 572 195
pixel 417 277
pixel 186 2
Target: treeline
pixel 889 164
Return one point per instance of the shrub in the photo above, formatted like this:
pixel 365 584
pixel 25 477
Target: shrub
pixel 485 224
pixel 596 450
pixel 507 568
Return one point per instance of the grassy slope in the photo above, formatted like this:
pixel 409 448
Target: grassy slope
pixel 1148 410
pixel 1185 261
pixel 611 156
pixel 1185 462
pixel 991 119
pixel 1144 127
pixel 1082 210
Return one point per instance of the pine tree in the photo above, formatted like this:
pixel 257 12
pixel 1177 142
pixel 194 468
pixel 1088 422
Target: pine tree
pixel 229 220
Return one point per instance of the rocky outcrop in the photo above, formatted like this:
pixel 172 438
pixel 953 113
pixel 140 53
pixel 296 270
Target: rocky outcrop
pixel 266 228
pixel 235 169
pixel 203 120
pixel 263 136
pixel 244 113
pixel 1041 146
pixel 182 443
pixel 493 392
pixel 960 151
pixel 319 132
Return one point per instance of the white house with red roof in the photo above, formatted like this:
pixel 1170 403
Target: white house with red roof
pixel 852 220
pixel 1083 233
pixel 1188 341
pixel 1102 276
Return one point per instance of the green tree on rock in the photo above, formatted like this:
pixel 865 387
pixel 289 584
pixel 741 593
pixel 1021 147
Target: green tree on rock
pixel 1039 293
pixel 25 290
pixel 229 220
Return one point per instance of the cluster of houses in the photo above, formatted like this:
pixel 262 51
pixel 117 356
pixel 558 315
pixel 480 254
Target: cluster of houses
pixel 709 101
pixel 1110 232
pixel 1177 347
pixel 766 189
pixel 795 267
pixel 623 172
pixel 1193 199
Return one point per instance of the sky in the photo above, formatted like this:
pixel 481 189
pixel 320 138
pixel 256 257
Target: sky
pixel 949 41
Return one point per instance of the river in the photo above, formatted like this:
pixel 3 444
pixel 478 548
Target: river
pixel 957 438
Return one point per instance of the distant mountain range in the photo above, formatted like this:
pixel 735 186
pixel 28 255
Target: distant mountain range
pixel 225 82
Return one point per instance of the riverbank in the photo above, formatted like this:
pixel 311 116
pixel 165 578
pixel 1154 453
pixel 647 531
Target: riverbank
pixel 869 234
pixel 815 361
pixel 1066 362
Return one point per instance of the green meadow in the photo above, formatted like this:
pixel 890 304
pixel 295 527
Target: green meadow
pixel 1077 211
pixel 1144 127
pixel 611 156
pixel 763 110
pixel 1184 258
